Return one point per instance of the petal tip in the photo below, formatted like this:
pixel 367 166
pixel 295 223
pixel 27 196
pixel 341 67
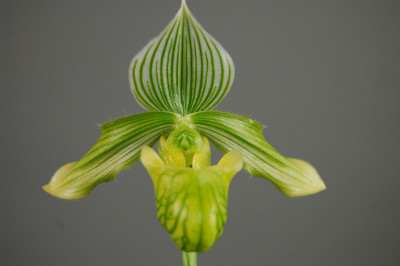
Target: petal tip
pixel 303 191
pixel 58 192
pixel 47 188
pixel 313 183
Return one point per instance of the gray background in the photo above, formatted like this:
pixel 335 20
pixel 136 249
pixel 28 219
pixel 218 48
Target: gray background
pixel 322 75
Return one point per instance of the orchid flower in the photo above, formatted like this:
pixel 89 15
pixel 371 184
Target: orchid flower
pixel 179 77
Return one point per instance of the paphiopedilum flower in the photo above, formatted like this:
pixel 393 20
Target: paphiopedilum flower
pixel 179 77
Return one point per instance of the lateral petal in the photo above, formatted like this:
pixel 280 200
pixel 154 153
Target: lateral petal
pixel 292 177
pixel 118 148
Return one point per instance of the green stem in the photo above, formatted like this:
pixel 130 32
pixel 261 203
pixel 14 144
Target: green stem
pixel 189 258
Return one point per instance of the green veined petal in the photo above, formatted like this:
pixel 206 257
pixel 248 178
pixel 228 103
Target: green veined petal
pixel 183 70
pixel 117 149
pixel 293 177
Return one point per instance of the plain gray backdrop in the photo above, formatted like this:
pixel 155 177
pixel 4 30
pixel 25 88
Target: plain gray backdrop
pixel 323 76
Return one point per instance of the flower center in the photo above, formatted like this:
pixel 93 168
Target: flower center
pixel 185 147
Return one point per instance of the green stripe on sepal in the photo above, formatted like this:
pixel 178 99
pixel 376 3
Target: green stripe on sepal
pixel 192 203
pixel 292 177
pixel 183 70
pixel 117 149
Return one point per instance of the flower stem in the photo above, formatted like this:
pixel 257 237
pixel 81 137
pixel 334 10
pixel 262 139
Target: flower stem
pixel 189 258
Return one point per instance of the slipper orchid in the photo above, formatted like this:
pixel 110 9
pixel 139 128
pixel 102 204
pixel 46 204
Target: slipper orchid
pixel 179 77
